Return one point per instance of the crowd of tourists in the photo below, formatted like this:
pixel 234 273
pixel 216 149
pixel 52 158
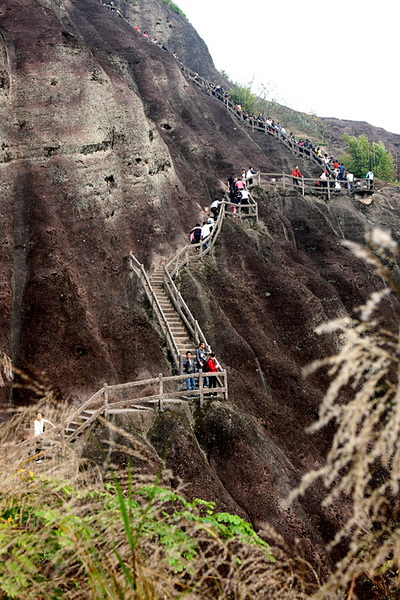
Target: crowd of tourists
pixel 111 6
pixel 202 362
pixel 335 176
pixel 333 173
pixel 236 196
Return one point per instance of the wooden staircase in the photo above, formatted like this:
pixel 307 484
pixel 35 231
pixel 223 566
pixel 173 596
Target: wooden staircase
pixel 78 421
pixel 179 331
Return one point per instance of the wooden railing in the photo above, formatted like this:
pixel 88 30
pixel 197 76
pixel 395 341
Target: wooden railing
pixel 184 312
pixel 189 254
pixel 252 122
pixel 138 268
pixel 307 184
pixel 155 392
pixel 195 252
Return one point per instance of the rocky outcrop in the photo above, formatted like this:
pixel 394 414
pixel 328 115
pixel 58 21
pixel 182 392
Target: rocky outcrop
pixel 173 31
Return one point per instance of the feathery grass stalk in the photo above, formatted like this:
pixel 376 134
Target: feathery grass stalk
pixel 362 467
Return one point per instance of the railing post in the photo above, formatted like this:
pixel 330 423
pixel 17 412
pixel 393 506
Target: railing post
pixel 105 386
pixel 284 182
pixel 302 186
pixel 63 441
pixel 201 388
pixel 226 386
pixel 160 392
pixel 329 189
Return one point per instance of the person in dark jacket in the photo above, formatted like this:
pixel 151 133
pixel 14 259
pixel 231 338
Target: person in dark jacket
pixel 188 369
pixel 195 234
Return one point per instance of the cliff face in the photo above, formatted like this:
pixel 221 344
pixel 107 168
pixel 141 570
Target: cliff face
pixel 107 148
pixel 173 31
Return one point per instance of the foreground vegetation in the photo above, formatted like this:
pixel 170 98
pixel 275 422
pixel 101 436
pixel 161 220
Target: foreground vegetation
pixel 69 531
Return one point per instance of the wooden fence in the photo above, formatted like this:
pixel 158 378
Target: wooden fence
pixel 306 185
pixel 156 309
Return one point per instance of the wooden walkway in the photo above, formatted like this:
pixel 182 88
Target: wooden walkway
pixel 314 186
pixel 360 186
pixel 137 396
pixel 181 332
pixel 179 327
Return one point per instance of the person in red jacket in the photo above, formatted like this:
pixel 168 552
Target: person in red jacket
pixel 296 174
pixel 212 366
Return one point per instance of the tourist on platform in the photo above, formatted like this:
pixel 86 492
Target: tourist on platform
pixel 212 367
pixel 350 182
pixel 189 369
pixel 296 174
pixel 38 428
pixel 206 231
pixel 201 360
pixel 324 179
pixel 239 184
pixel 249 175
pixel 201 356
pixel 370 177
pixel 231 183
pixel 244 201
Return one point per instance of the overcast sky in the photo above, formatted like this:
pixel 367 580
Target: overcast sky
pixel 335 59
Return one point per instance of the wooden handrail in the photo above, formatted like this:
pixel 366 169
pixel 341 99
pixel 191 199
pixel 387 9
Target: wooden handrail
pixel 254 123
pixel 308 183
pixel 160 397
pixel 191 252
pixel 165 327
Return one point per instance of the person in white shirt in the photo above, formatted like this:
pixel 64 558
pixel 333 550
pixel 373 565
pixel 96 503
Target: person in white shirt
pixel 249 175
pixel 244 201
pixel 39 423
pixel 214 208
pixel 350 181
pixel 370 177
pixel 206 230
pixel 38 429
pixel 324 179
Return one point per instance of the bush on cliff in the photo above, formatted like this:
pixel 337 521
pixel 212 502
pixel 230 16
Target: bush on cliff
pixel 364 156
pixel 174 7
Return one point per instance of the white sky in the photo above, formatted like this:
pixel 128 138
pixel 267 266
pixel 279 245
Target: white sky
pixel 335 59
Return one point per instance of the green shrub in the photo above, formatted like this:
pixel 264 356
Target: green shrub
pixel 174 7
pixel 242 94
pixel 65 533
pixel 364 156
